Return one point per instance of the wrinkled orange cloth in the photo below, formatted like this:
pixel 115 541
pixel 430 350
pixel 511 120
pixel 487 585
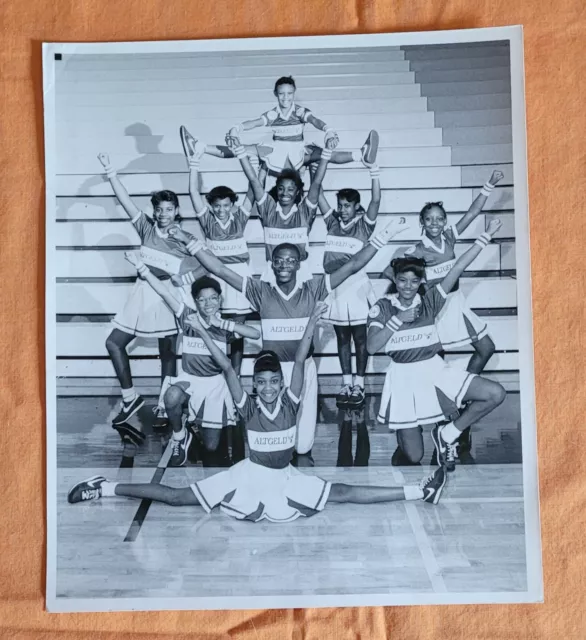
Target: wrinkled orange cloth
pixel 555 37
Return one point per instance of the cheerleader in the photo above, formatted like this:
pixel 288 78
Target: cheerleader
pixel 288 149
pixel 265 486
pixel 200 388
pixel 145 314
pixel 457 325
pixel 286 215
pixel 349 228
pixel 223 223
pixel 420 388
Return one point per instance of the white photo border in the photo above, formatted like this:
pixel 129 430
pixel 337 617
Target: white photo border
pixel 534 592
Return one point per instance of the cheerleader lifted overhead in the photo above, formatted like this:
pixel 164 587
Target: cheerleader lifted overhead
pixel 420 387
pixel 288 149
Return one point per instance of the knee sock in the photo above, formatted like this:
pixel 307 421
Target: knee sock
pixel 450 433
pixel 413 492
pixel 108 489
pixel 128 395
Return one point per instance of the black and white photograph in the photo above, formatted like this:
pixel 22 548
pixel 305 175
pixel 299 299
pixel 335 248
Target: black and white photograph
pixel 288 323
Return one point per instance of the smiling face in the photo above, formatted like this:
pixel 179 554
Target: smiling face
pixel 407 284
pixel 434 221
pixel 285 95
pixel 346 210
pixel 208 302
pixel 286 192
pixel 285 263
pixel 268 385
pixel 221 208
pixel 165 213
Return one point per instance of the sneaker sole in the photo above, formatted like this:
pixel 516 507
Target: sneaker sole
pixel 355 405
pixel 438 493
pixel 183 133
pixel 123 420
pixel 92 479
pixel 370 147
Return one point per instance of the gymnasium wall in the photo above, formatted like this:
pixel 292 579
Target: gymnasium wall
pixel 444 118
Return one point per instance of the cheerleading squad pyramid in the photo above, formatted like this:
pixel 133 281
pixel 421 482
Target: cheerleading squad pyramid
pixel 423 313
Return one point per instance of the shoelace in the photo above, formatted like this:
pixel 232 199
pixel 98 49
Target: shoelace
pixel 426 480
pixel 451 452
pixel 356 391
pixel 346 389
pixel 176 444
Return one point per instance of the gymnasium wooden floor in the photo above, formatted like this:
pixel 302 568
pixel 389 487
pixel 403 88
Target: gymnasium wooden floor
pixel 473 541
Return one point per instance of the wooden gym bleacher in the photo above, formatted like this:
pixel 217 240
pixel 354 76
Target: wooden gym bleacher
pixel 443 114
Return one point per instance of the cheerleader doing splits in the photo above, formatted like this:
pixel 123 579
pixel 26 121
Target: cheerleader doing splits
pixel 288 149
pixel 265 486
pixel 420 388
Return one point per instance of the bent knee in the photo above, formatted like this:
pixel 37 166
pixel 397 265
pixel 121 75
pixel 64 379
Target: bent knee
pixel 174 396
pixel 497 394
pixel 112 346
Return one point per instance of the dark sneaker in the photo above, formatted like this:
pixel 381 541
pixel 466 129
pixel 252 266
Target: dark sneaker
pixel 161 421
pixel 90 489
pixel 129 434
pixel 441 446
pixel 188 142
pixel 128 410
pixel 432 486
pixel 180 449
pixel 343 396
pixel 451 455
pixel 356 398
pixel 370 148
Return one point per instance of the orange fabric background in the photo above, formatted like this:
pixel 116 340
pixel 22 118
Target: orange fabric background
pixel 555 34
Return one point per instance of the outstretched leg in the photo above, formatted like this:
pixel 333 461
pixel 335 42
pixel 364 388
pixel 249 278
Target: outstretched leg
pixel 99 487
pixel 429 490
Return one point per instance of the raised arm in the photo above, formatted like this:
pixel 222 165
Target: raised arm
pixel 375 193
pixel 466 259
pixel 240 152
pixel 318 178
pixel 207 259
pixel 365 255
pixel 145 273
pixel 262 178
pixel 238 328
pixel 119 189
pixel 303 349
pixel 479 202
pixel 324 205
pixel 198 202
pixel 220 358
